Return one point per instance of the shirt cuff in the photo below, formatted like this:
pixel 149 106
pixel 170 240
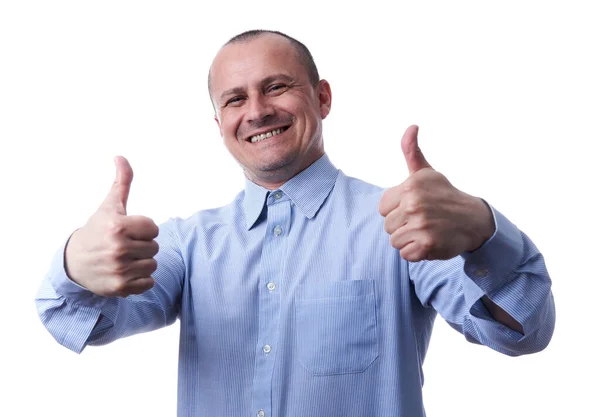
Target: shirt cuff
pixel 492 266
pixel 65 287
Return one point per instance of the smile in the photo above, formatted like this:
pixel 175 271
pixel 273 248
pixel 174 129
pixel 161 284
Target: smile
pixel 263 136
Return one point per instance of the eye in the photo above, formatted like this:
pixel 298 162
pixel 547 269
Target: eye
pixel 234 100
pixel 276 88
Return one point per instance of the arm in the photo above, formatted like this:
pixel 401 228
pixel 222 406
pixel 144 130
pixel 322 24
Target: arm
pixel 76 317
pixel 508 271
pixel 481 273
pixel 501 316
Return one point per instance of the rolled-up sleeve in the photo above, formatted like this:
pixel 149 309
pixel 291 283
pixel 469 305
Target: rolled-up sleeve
pixel 511 272
pixel 76 317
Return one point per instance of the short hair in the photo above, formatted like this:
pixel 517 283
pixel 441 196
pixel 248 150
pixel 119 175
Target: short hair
pixel 304 55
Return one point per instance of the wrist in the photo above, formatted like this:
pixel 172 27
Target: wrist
pixel 483 226
pixel 70 255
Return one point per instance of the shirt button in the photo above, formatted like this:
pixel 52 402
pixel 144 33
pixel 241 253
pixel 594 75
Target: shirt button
pixel 271 286
pixel 277 195
pixel 267 349
pixel 277 230
pixel 261 413
pixel 481 272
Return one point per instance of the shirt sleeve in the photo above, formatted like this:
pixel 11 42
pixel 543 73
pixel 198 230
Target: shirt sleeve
pixel 76 317
pixel 511 272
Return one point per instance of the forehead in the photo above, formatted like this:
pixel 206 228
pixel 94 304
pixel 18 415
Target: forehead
pixel 244 63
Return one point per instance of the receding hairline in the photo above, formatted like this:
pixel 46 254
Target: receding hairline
pixel 303 54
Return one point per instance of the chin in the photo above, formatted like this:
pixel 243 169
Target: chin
pixel 282 162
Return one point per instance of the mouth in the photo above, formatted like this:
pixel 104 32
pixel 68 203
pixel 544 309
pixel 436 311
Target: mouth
pixel 266 135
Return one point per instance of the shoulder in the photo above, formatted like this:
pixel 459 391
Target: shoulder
pixel 358 199
pixel 360 187
pixel 359 190
pixel 206 220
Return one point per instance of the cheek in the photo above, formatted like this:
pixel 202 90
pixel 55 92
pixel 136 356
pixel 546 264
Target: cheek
pixel 229 125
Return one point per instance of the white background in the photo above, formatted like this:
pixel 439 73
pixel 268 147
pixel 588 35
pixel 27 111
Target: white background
pixel 507 97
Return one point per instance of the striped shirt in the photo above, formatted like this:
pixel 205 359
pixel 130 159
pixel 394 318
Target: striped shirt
pixel 292 302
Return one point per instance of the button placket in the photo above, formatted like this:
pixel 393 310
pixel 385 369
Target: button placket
pixel 271 271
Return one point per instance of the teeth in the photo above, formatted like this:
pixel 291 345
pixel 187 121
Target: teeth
pixel 263 136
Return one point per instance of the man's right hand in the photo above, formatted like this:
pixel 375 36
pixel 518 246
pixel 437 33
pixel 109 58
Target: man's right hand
pixel 112 255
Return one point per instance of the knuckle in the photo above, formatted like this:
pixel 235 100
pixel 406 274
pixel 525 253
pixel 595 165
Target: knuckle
pixel 144 285
pixel 146 267
pixel 407 255
pixel 383 204
pixel 394 241
pixel 149 225
pixel 117 253
pixel 120 269
pixel 387 226
pixel 427 244
pixel 115 227
pixel 155 230
pixel 152 265
pixel 150 284
pixel 414 206
pixel 118 286
pixel 422 223
pixel 389 200
pixel 155 247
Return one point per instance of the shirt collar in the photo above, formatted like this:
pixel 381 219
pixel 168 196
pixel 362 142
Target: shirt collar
pixel 307 190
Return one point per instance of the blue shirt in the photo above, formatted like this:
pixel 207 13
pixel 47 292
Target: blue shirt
pixel 293 303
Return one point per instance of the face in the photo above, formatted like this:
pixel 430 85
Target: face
pixel 269 115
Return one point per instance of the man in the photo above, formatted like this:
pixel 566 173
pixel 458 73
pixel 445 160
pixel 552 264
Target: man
pixel 312 293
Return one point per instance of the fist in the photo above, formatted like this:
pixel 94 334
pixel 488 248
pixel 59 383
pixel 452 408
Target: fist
pixel 426 217
pixel 112 255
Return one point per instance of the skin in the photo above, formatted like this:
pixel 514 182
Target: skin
pixel 112 255
pixel 258 86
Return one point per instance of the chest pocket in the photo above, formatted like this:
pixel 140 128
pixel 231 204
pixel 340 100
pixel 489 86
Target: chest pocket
pixel 336 326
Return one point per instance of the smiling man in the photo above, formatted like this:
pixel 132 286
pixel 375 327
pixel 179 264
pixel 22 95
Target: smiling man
pixel 312 293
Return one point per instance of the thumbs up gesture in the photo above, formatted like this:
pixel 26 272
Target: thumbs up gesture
pixel 112 255
pixel 426 217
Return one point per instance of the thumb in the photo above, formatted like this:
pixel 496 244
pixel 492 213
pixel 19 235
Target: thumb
pixel 116 200
pixel 415 160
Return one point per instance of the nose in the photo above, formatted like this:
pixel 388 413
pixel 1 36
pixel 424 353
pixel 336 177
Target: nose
pixel 259 109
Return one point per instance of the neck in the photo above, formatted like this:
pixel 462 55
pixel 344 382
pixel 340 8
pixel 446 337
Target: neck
pixel 275 179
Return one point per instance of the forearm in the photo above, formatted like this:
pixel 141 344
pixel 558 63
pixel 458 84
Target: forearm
pixel 508 273
pixel 501 316
pixel 77 317
pixel 512 289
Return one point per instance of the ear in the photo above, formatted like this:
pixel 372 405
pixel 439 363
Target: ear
pixel 219 124
pixel 324 92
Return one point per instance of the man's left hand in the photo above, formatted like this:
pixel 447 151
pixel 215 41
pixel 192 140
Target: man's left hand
pixel 427 217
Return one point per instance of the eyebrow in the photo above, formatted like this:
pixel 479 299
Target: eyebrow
pixel 265 81
pixel 276 77
pixel 232 92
